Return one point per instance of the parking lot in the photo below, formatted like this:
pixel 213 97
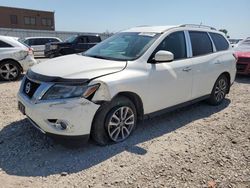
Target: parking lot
pixel 197 146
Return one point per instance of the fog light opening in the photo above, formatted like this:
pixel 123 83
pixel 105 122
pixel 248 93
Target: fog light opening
pixel 59 124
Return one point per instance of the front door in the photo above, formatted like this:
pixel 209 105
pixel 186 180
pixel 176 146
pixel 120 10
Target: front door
pixel 170 83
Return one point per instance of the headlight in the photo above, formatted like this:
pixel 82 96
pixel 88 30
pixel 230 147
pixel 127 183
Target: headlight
pixel 53 47
pixel 70 91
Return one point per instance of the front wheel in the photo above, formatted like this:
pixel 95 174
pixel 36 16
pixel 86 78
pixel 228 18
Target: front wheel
pixel 121 122
pixel 114 122
pixel 219 91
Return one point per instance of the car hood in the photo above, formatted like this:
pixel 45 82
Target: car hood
pixel 75 67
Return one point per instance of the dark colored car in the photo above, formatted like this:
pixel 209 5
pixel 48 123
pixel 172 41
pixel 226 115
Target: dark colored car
pixel 242 51
pixel 72 45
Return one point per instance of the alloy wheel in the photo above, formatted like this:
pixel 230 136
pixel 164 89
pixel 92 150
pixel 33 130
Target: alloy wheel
pixel 220 90
pixel 8 71
pixel 121 123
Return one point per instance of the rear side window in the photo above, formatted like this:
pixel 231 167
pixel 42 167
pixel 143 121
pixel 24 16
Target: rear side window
pixel 48 40
pixel 201 43
pixel 94 39
pixel 4 44
pixel 175 43
pixel 38 41
pixel 53 40
pixel 219 41
pixel 44 41
pixel 32 42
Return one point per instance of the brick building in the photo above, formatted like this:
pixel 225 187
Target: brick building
pixel 19 18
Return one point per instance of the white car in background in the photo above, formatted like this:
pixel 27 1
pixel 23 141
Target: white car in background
pixel 137 73
pixel 234 42
pixel 38 44
pixel 15 58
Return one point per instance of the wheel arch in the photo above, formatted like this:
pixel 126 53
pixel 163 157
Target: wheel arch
pixel 98 132
pixel 136 99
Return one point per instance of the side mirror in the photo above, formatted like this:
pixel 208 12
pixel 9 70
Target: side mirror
pixel 163 56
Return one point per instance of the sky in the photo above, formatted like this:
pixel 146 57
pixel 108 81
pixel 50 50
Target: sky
pixel 116 15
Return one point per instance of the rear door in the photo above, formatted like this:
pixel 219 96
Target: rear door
pixel 170 83
pixel 206 64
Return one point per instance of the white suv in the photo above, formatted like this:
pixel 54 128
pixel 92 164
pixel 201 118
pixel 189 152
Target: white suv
pixel 134 74
pixel 15 58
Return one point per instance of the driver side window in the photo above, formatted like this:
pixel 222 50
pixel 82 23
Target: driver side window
pixel 175 43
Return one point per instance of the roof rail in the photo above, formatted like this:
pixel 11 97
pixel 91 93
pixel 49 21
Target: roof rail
pixel 142 26
pixel 199 26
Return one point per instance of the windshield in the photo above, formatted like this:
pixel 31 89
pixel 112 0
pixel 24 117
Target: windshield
pixel 22 41
pixel 244 46
pixel 71 39
pixel 123 46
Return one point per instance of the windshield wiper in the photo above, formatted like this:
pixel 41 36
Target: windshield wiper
pixel 97 56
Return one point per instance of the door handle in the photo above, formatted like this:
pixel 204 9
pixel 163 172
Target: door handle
pixel 187 69
pixel 217 63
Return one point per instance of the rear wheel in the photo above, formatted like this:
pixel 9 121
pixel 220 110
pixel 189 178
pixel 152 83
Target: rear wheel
pixel 114 121
pixel 219 91
pixel 9 70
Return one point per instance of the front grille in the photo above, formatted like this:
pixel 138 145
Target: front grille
pixel 241 67
pixel 30 87
pixel 244 59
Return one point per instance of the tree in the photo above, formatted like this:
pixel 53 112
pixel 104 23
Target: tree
pixel 224 31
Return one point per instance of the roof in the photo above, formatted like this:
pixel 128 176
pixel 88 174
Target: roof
pixel 2 37
pixel 161 29
pixel 150 29
pixel 13 41
pixel 40 37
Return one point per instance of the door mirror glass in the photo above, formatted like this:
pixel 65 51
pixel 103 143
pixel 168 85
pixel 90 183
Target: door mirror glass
pixel 163 56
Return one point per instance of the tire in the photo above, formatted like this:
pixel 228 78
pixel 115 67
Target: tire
pixel 51 56
pixel 106 126
pixel 219 91
pixel 9 70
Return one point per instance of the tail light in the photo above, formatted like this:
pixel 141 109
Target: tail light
pixel 30 51
pixel 235 56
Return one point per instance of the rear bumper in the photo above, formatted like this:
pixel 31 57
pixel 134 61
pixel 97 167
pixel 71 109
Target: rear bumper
pixel 39 53
pixel 243 68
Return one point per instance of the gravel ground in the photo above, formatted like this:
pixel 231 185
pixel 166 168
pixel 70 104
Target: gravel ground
pixel 197 146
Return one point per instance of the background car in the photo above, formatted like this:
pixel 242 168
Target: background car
pixel 234 42
pixel 15 58
pixel 72 45
pixel 242 52
pixel 38 44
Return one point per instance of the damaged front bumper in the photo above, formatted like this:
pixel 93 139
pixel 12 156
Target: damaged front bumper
pixel 64 117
